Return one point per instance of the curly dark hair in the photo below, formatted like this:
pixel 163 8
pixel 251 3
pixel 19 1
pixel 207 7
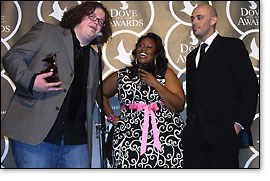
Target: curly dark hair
pixel 161 61
pixel 75 15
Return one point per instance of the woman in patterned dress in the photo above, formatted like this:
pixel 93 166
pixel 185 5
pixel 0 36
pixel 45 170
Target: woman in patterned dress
pixel 147 131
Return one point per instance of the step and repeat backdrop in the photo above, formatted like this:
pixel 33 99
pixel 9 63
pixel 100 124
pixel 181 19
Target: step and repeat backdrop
pixel 132 19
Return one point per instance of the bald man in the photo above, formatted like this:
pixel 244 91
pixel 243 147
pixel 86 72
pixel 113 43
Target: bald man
pixel 222 92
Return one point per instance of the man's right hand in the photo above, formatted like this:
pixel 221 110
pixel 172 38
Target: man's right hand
pixel 41 85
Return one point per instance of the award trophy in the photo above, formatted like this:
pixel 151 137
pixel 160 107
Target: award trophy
pixel 51 68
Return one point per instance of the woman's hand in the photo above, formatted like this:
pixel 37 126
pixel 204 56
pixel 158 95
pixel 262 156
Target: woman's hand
pixel 115 121
pixel 148 78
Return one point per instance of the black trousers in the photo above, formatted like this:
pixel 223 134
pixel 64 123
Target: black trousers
pixel 200 154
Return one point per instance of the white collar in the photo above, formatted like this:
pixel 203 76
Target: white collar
pixel 210 39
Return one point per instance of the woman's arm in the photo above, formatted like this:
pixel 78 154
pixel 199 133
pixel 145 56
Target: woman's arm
pixel 171 93
pixel 109 90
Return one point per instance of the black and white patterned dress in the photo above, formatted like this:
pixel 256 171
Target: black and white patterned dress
pixel 128 131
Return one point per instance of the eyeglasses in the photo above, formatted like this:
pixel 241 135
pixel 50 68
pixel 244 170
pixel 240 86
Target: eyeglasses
pixel 94 18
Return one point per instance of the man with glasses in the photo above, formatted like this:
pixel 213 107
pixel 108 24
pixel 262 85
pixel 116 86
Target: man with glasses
pixel 94 18
pixel 49 122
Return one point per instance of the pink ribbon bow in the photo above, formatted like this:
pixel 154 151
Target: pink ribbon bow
pixel 148 110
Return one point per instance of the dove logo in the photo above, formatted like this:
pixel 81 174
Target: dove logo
pixel 194 40
pixel 123 13
pixel 185 48
pixel 9 26
pixel 249 39
pixel 251 17
pixel 188 8
pixel 124 5
pixel 123 16
pixel 53 11
pixel 123 56
pixel 249 12
pixel 247 18
pixel 182 10
pixel 253 5
pixel 254 49
pixel 8 30
pixel 57 11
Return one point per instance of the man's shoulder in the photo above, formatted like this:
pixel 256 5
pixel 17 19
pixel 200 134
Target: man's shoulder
pixel 47 25
pixel 230 43
pixel 229 39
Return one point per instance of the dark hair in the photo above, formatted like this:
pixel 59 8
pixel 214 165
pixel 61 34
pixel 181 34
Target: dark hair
pixel 75 15
pixel 161 59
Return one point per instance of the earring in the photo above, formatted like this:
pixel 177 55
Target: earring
pixel 155 62
pixel 136 61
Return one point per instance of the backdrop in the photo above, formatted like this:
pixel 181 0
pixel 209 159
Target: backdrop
pixel 131 19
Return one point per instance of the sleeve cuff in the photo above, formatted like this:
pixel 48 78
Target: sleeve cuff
pixel 239 125
pixel 31 85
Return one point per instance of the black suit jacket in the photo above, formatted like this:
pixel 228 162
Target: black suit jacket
pixel 224 90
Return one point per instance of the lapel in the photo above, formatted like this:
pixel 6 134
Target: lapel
pixel 93 58
pixel 68 43
pixel 193 57
pixel 93 74
pixel 214 45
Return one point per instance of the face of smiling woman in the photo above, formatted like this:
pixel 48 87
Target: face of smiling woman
pixel 146 51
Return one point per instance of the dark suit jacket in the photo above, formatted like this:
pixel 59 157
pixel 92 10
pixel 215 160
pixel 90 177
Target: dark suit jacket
pixel 224 90
pixel 30 117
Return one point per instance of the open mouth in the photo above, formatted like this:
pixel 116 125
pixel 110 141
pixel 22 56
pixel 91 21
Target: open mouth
pixel 93 27
pixel 143 54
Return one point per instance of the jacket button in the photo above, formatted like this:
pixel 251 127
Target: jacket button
pixel 57 108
